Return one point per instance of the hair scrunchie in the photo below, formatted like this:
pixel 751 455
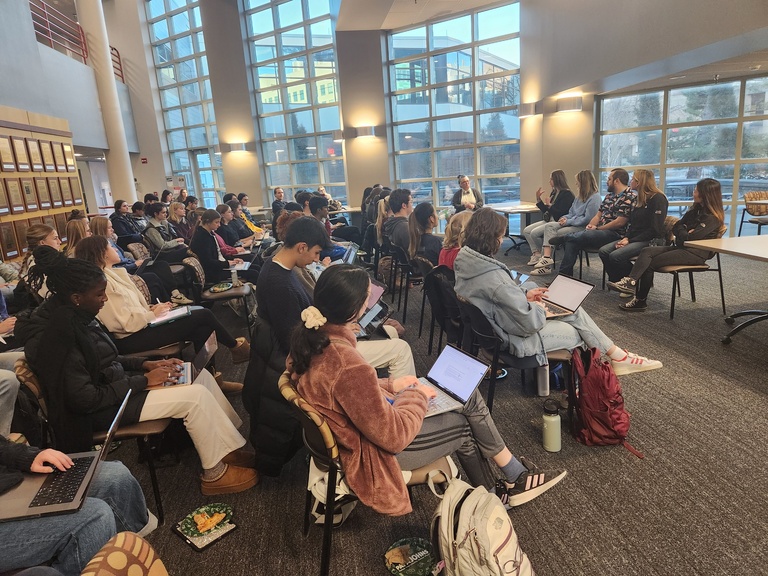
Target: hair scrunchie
pixel 312 318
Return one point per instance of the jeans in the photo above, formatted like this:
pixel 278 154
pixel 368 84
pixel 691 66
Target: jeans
pixel 9 389
pixel 115 504
pixel 584 239
pixel 534 235
pixel 552 229
pixel 568 332
pixel 617 262
pixel 654 257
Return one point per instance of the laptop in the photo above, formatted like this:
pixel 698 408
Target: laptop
pixel 188 371
pixel 565 295
pixel 455 375
pixel 349 255
pixel 58 492
pixel 376 313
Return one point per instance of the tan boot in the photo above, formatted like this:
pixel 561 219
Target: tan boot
pixel 242 457
pixel 226 386
pixel 241 352
pixel 234 480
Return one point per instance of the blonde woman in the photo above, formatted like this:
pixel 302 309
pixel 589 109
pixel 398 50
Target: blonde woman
pixel 646 224
pixel 177 216
pixel 76 230
pixel 452 240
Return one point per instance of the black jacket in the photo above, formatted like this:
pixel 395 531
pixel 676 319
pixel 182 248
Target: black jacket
pixel 207 251
pixel 696 224
pixel 126 229
pixel 456 200
pixel 14 459
pixel 560 204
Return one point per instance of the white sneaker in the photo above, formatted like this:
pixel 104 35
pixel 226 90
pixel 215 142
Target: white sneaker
pixel 544 262
pixel 535 257
pixel 541 271
pixel 634 363
pixel 150 527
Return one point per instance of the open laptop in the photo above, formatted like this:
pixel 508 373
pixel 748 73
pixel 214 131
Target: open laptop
pixel 188 371
pixel 455 375
pixel 376 313
pixel 565 295
pixel 58 492
pixel 349 255
pixel 247 259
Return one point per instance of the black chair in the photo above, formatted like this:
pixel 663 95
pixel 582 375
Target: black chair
pixel 401 268
pixel 438 286
pixel 424 267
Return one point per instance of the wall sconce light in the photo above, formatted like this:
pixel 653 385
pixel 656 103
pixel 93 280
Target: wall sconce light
pixel 338 136
pixel 237 147
pixel 529 109
pixel 365 131
pixel 217 149
pixel 572 104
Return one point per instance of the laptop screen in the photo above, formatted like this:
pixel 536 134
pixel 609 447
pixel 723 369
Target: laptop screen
pixel 350 254
pixel 567 292
pixel 206 352
pixel 377 291
pixel 457 372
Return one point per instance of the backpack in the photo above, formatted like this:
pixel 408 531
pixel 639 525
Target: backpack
pixel 385 271
pixel 595 402
pixel 473 535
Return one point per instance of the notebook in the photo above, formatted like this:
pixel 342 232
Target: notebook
pixel 377 311
pixel 188 371
pixel 171 315
pixel 565 295
pixel 58 492
pixel 455 375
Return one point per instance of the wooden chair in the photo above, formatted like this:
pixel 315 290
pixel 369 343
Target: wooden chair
pixel 321 445
pixel 759 211
pixel 141 252
pixel 141 431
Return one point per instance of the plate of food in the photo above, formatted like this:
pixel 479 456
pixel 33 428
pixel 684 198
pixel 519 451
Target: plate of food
pixel 206 520
pixel 221 287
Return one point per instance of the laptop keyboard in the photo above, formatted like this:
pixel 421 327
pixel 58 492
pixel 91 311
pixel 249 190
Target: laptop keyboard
pixel 555 309
pixel 61 487
pixel 441 401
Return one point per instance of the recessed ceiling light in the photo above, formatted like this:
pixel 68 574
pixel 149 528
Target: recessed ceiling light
pixel 677 77
pixel 756 67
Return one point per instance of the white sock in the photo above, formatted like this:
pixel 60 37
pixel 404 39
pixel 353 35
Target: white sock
pixel 618 354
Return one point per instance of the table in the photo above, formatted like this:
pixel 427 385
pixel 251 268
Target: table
pixel 353 216
pixel 526 209
pixel 752 247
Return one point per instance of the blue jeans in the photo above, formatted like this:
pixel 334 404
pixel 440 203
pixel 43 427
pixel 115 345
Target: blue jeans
pixel 584 239
pixel 115 504
pixel 617 262
pixel 568 332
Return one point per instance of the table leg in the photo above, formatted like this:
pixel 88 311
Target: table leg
pixel 759 316
pixel 518 239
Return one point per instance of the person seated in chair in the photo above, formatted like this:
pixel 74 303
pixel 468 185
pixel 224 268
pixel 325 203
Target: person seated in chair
pixel 215 264
pixel 422 242
pixel 137 215
pixel 380 424
pixel 127 229
pixel 166 243
pixel 517 312
pixel 396 226
pixel 318 206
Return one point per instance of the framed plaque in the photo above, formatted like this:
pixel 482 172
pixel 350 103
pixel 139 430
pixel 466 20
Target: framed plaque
pixel 61 225
pixel 4 208
pixel 58 157
pixel 69 157
pixel 55 192
pixel 15 197
pixel 49 164
pixel 77 191
pixel 43 193
pixel 50 221
pixel 20 150
pixel 8 241
pixel 35 220
pixel 66 191
pixel 35 156
pixel 7 163
pixel 20 226
pixel 30 196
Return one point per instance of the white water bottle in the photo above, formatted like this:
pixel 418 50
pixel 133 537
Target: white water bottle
pixel 234 277
pixel 551 430
pixel 542 380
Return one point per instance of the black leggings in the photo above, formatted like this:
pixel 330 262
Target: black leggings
pixel 156 287
pixel 652 258
pixel 196 327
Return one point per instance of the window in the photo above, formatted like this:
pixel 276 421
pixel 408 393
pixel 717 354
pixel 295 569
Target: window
pixel 455 92
pixel 688 133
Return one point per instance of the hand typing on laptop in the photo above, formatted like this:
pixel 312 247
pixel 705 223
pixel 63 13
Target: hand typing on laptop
pixel 58 459
pixel 404 382
pixel 535 294
pixel 159 372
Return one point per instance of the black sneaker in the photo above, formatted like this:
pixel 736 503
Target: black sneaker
pixel 634 305
pixel 529 485
pixel 626 285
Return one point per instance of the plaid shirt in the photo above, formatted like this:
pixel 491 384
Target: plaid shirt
pixel 615 205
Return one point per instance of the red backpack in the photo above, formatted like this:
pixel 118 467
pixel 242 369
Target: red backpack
pixel 595 403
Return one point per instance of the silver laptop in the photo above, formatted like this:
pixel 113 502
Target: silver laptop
pixel 188 371
pixel 58 492
pixel 455 375
pixel 565 295
pixel 349 255
pixel 376 313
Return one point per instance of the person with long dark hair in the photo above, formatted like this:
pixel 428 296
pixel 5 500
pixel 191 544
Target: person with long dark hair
pixel 84 379
pixel 379 424
pixel 703 221
pixel 553 207
pixel 421 222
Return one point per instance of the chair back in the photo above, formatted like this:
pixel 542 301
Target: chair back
pixel 438 284
pixel 477 328
pixel 756 209
pixel 422 265
pixel 138 250
pixel 400 255
pixel 142 287
pixel 29 379
pixel 193 264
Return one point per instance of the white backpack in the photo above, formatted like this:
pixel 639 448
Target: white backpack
pixel 473 535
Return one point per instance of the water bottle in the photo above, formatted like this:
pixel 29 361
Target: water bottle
pixel 234 277
pixel 542 380
pixel 551 430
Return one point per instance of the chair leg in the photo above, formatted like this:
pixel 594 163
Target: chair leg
pixel 492 384
pixel 675 290
pixel 406 288
pixel 581 263
pixel 720 277
pixel 423 303
pixel 147 451
pixel 330 508
pixel 307 512
pixel 431 335
pixel 392 273
pixel 693 290
pixel 741 224
pixel 440 339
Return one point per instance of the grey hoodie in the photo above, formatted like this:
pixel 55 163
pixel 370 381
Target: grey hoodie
pixel 487 284
pixel 396 229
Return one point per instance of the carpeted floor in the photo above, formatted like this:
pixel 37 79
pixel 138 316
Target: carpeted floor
pixel 695 505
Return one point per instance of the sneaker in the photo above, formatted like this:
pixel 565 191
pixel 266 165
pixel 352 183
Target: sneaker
pixel 234 480
pixel 626 285
pixel 535 257
pixel 541 271
pixel 634 363
pixel 622 295
pixel 179 298
pixel 529 485
pixel 149 527
pixel 634 305
pixel 543 262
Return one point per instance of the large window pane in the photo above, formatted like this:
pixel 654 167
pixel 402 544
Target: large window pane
pixel 303 148
pixel 289 13
pixel 269 101
pixel 169 97
pixel 680 182
pixel 297 96
pixel 318 8
pixel 180 23
pixel 500 189
pixel 275 151
pixel 159 30
pixel 451 66
pixel 260 23
pixel 264 49
pixel 166 75
pixel 632 111
pixel 162 53
pixel 320 33
pixel 753 177
pixel 755 97
pixel 279 174
pixel 294 69
pixel 327 148
pixel 292 41
pixel 193 115
pixel 328 118
pixel 155 8
pixel 755 140
pixel 632 149
pixel 498 92
pixel 455 131
pixel 333 171
pixel 699 143
pixel 173 119
pixel 197 137
pixel 498 57
pixel 273 126
pixel 406 43
pixel 697 103
pixel 324 62
pixel 412 136
pixel 306 173
pixel 177 140
pixel 451 32
pixel 418 165
pixel 187 70
pixel 411 106
pixel 420 191
pixel 452 99
pixel 498 21
pixel 190 93
pixel 411 74
pixel 180 160
pixel 266 76
pixel 499 126
pixel 300 122
pixel 451 163
pixel 500 159
pixel 326 92
pixel 182 47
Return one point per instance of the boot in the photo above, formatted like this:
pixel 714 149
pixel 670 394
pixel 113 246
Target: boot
pixel 241 352
pixel 226 386
pixel 234 480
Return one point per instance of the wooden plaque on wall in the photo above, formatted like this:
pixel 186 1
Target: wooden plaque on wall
pixel 20 151
pixel 8 241
pixel 20 226
pixel 15 197
pixel 30 196
pixel 50 221
pixel 43 193
pixel 58 157
pixel 55 191
pixel 66 191
pixel 35 220
pixel 35 156
pixel 4 208
pixel 47 151
pixel 69 157
pixel 77 191
pixel 7 162
pixel 61 225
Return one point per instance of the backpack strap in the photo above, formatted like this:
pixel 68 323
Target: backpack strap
pixel 632 449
